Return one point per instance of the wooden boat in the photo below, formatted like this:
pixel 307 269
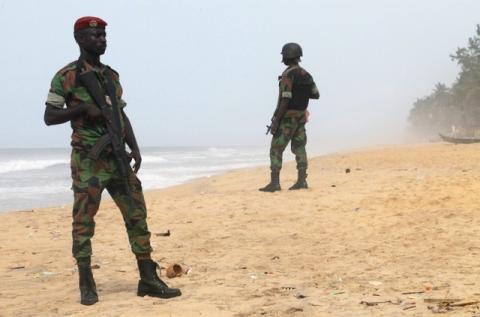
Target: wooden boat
pixel 459 139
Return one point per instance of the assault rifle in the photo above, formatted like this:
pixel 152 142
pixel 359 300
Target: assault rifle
pixel 111 113
pixel 269 127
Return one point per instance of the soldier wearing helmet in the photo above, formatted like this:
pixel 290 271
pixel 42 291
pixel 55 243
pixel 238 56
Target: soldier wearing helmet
pixel 296 87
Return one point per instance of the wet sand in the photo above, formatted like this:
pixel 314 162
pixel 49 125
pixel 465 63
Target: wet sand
pixel 403 220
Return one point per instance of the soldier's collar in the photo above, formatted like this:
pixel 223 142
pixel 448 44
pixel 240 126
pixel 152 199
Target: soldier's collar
pixel 85 66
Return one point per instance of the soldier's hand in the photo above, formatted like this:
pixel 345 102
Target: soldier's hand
pixel 138 161
pixel 92 111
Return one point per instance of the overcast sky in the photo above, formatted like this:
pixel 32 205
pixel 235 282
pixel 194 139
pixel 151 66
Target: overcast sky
pixel 205 72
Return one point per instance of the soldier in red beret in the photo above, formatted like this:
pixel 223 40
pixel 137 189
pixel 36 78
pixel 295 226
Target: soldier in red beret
pixel 88 94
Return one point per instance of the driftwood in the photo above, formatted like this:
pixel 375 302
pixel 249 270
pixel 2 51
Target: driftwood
pixel 442 300
pixel 413 292
pixel 464 303
pixel 374 302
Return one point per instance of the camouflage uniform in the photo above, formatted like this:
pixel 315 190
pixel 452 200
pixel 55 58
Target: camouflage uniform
pixel 91 177
pixel 297 85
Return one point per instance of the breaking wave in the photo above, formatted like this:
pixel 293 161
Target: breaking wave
pixel 26 165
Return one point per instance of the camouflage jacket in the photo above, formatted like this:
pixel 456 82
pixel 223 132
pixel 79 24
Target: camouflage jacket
pixel 65 91
pixel 297 84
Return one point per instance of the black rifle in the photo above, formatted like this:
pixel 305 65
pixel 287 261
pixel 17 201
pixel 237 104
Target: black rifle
pixel 111 114
pixel 269 127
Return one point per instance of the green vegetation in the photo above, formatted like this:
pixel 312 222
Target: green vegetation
pixel 457 106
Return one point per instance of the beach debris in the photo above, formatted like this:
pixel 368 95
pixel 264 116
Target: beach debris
pixel 376 302
pixel 428 286
pixel 163 234
pixel 276 257
pixel 408 305
pixel 357 209
pixel 412 292
pixel 334 293
pixel 46 273
pixel 288 288
pixel 442 300
pixel 253 276
pixel 177 270
pixel 375 283
pixel 95 267
pixel 293 310
pixel 464 303
pixel 300 295
pixel 17 267
pixel 444 305
pixel 347 170
pixel 333 185
pixel 439 309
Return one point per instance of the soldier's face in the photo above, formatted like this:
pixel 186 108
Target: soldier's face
pixel 93 40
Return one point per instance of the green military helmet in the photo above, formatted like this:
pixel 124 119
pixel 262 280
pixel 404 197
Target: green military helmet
pixel 291 50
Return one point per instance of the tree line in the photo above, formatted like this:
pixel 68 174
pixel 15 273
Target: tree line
pixel 457 108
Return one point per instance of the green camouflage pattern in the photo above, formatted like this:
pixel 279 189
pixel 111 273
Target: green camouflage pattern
pixel 286 82
pixel 291 128
pixel 90 178
pixel 64 90
pixel 287 79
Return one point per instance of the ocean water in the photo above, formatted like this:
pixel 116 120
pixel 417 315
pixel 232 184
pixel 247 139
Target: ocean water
pixel 34 178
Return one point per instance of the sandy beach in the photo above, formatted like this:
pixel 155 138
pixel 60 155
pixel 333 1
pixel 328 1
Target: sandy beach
pixel 398 232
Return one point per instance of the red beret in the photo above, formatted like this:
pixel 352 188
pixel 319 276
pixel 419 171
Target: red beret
pixel 89 22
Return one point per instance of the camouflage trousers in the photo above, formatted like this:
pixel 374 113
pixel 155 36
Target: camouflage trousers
pixel 90 178
pixel 292 128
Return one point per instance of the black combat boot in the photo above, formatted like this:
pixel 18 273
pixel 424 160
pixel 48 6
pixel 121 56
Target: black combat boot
pixel 301 181
pixel 150 284
pixel 88 289
pixel 274 183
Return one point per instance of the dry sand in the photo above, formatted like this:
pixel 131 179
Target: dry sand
pixel 403 220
